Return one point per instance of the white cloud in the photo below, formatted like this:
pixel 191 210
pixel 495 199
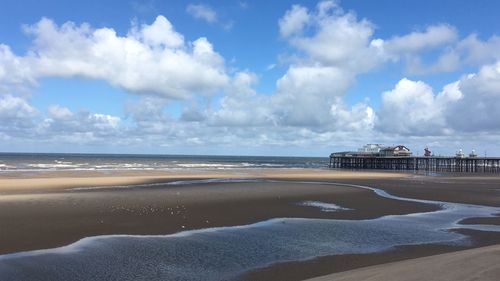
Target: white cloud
pixel 242 106
pixel 14 109
pixel 478 52
pixel 294 21
pixel 410 108
pixel 410 47
pixel 434 36
pixel 104 121
pixel 146 109
pixel 309 95
pixel 466 105
pixel 452 52
pixel 60 113
pixel 340 39
pixel 61 120
pixel 311 81
pixel 336 47
pixel 151 59
pixel 305 94
pixel 15 73
pixel 477 107
pixel 160 33
pixel 203 12
pixel 358 118
pixel 16 117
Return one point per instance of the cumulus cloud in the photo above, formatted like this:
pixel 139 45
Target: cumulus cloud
pixel 21 121
pixel 15 112
pixel 146 109
pixel 17 118
pixel 243 106
pixel 433 36
pixel 333 37
pixel 294 21
pixel 61 120
pixel 148 115
pixel 150 59
pixel 412 47
pixel 155 60
pixel 336 48
pixel 411 108
pixel 305 94
pixel 15 73
pixel 479 103
pixel 202 12
pixel 478 52
pixel 160 33
pixel 466 105
pixel 442 42
pixel 358 118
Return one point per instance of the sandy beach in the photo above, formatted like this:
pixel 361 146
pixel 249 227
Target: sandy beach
pixel 467 265
pixel 51 209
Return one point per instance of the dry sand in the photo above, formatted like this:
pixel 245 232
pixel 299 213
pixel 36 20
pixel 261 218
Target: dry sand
pixel 476 264
pixel 42 211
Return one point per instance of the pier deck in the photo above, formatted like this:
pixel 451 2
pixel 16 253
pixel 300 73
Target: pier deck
pixel 418 163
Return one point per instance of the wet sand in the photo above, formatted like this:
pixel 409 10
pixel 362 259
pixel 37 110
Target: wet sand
pixel 41 210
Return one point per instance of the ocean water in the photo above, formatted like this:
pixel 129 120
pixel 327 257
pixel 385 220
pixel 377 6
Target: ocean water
pixel 225 253
pixel 103 162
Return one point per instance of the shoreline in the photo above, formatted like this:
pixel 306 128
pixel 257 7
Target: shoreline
pixel 144 208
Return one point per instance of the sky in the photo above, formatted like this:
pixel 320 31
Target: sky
pixel 293 78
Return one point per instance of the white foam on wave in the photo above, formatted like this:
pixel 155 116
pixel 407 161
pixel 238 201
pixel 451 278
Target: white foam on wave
pixel 51 165
pixel 63 162
pixel 208 165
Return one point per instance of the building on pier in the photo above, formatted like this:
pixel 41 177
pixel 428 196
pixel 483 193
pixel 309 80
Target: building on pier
pixel 371 148
pixel 398 150
pixel 377 150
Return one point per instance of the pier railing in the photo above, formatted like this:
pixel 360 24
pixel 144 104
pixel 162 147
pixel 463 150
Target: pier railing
pixel 412 163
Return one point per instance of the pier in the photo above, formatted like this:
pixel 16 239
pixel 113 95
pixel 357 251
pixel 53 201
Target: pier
pixel 417 163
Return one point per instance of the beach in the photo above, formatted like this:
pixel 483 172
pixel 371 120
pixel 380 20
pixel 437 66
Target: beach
pixel 467 265
pixel 53 209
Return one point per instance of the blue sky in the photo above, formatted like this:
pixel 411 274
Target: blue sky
pixel 247 77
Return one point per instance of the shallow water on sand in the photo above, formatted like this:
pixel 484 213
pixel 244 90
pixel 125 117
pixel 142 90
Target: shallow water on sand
pixel 227 252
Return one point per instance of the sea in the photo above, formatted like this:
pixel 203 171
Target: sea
pixel 112 162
